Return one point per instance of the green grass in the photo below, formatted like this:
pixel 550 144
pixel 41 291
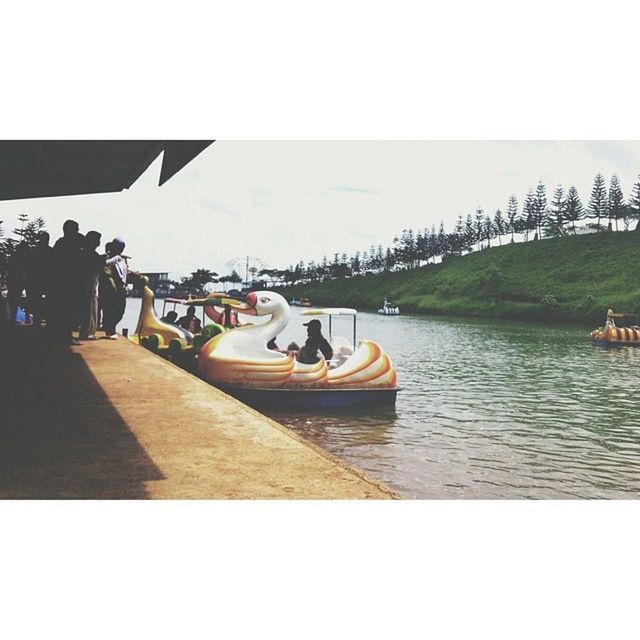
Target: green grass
pixel 570 279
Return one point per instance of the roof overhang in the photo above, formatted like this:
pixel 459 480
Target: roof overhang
pixel 46 168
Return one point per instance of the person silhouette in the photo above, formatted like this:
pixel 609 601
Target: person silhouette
pixel 92 265
pixel 189 321
pixel 66 284
pixel 171 317
pixel 17 278
pixel 114 292
pixel 39 269
pixel 308 354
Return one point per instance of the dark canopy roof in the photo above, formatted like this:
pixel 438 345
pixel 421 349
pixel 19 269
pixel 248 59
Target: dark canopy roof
pixel 37 169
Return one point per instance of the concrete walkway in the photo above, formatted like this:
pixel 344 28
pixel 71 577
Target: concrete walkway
pixel 108 419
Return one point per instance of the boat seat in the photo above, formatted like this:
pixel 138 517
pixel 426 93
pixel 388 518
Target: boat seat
pixel 342 350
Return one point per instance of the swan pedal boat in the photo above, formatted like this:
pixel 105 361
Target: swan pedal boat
pixel 168 339
pixel 617 336
pixel 389 309
pixel 240 363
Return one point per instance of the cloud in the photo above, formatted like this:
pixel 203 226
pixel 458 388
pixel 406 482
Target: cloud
pixel 218 207
pixel 287 201
pixel 352 189
pixel 617 153
pixel 261 197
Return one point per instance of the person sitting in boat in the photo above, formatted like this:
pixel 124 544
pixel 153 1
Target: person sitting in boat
pixel 190 322
pixel 170 318
pixel 308 354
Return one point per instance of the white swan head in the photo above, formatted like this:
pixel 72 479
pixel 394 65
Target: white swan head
pixel 264 303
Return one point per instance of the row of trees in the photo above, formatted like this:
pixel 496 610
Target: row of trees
pixel 202 277
pixel 536 218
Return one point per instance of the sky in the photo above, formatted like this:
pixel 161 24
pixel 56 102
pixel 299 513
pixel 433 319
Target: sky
pixel 283 202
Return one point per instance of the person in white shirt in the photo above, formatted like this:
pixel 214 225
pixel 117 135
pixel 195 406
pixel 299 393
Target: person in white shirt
pixel 114 295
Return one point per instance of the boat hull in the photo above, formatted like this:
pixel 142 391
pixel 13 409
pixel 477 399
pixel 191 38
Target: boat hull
pixel 312 398
pixel 615 343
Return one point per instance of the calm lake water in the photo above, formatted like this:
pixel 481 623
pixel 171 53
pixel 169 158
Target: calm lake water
pixel 488 409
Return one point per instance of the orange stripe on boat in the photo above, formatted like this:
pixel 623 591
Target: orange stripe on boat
pixel 372 346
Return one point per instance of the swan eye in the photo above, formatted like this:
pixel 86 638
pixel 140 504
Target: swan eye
pixel 264 300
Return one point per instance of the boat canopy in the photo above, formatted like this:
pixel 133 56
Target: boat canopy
pixel 330 311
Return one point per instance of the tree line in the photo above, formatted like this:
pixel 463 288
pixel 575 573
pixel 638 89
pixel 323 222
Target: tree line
pixel 538 217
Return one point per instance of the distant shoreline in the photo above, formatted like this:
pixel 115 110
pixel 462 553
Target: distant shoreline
pixel 573 279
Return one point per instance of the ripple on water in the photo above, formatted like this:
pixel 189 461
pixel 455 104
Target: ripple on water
pixel 494 409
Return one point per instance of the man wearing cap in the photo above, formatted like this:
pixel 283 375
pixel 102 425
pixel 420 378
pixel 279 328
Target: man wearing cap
pixel 308 354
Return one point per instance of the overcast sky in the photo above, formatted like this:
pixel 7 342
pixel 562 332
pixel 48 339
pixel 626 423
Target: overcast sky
pixel 289 201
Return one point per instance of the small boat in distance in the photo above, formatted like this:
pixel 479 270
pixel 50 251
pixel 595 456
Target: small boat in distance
pixel 389 309
pixel 618 336
pixel 303 302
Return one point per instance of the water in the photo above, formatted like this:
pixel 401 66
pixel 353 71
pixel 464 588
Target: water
pixel 489 409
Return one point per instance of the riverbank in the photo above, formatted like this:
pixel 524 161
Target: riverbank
pixel 108 419
pixel 570 279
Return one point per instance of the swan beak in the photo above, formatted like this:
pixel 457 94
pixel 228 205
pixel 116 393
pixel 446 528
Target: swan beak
pixel 240 307
pixel 224 302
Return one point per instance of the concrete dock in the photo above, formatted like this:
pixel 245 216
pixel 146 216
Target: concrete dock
pixel 110 420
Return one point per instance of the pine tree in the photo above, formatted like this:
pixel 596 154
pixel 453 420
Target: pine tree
pixel 488 230
pixel 469 233
pixel 380 258
pixel 634 203
pixel 420 247
pixel 443 240
pixel 540 208
pixel 512 214
pixel 528 214
pixel 479 226
pixel 598 202
pixel 458 233
pixel 389 260
pixel 616 201
pixel 557 206
pixel 434 248
pixel 499 225
pixel 365 262
pixel 356 265
pixel 23 219
pixel 573 209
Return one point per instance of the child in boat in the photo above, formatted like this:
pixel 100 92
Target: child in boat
pixel 292 348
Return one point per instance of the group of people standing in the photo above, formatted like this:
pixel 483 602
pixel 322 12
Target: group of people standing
pixel 70 285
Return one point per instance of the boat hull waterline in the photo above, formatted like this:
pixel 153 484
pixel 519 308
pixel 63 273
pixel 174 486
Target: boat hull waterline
pixel 311 398
pixel 613 336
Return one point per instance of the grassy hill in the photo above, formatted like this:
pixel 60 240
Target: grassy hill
pixel 570 279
